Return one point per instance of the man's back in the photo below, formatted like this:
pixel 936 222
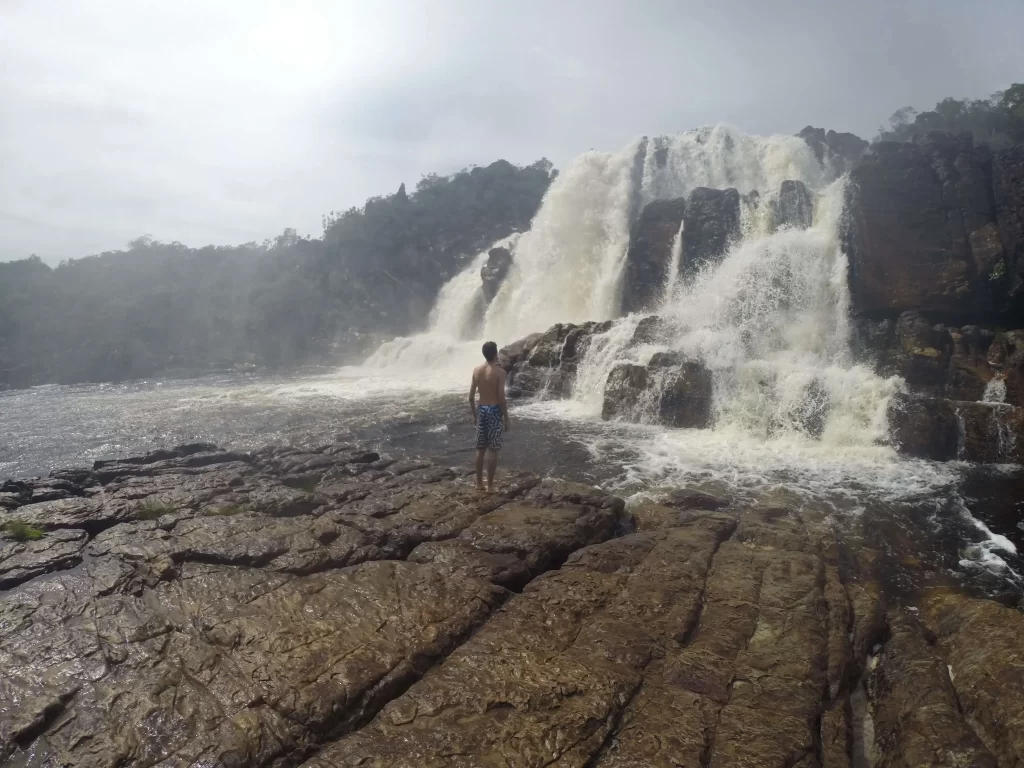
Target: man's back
pixel 489 377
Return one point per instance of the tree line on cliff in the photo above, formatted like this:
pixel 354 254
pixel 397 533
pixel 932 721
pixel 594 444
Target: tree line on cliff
pixel 163 308
pixel 997 121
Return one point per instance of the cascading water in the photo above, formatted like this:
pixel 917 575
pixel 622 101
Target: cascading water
pixel 721 157
pixel 771 322
pixel 568 267
pixel 454 322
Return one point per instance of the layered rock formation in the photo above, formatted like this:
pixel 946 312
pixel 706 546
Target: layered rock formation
pixel 231 609
pixel 199 606
pixel 923 233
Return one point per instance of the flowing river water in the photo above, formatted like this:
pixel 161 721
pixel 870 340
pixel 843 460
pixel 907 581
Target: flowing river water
pixel 771 321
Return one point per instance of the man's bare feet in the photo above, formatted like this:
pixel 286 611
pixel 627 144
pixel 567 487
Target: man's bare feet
pixel 480 488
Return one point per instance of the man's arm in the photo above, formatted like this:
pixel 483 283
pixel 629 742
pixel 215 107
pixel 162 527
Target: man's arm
pixel 472 397
pixel 501 399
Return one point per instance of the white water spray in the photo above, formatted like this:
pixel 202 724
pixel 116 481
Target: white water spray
pixel 447 346
pixel 771 322
pixel 568 267
pixel 995 391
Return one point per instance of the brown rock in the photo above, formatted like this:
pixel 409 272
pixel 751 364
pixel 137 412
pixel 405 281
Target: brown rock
pixel 24 560
pixel 222 664
pixel 547 365
pixel 795 206
pixel 922 230
pixel 674 395
pixel 984 646
pixel 650 254
pixel 916 718
pixel 548 678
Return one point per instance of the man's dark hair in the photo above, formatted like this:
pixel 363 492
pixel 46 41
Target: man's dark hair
pixel 490 351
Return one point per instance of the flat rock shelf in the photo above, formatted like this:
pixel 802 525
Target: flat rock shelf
pixel 334 608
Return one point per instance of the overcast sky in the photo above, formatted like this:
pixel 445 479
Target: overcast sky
pixel 226 121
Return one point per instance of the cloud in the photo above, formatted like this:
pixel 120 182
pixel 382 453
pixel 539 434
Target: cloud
pixel 221 122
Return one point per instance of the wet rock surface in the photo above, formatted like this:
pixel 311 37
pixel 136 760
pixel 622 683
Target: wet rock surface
pixel 838 150
pixel 668 391
pixel 334 607
pixel 650 254
pixel 492 273
pixel 795 206
pixel 545 363
pixel 923 231
pixel 711 224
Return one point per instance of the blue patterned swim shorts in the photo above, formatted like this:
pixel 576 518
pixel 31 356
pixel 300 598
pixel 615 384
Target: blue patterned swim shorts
pixel 489 427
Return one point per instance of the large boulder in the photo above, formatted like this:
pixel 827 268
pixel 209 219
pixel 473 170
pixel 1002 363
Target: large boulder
pixel 546 363
pixel 492 274
pixel 836 150
pixel 667 391
pixel 650 253
pixel 925 428
pixel 794 207
pixel 921 232
pixel 711 224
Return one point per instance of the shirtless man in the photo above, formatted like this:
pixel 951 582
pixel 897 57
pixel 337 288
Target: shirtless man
pixel 491 416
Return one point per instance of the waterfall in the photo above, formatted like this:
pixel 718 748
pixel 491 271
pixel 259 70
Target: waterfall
pixel 568 267
pixel 453 325
pixel 721 157
pixel 676 256
pixel 770 321
pixel 995 391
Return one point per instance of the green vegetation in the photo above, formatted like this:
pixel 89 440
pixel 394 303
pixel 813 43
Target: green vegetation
pixel 163 308
pixel 19 530
pixel 230 510
pixel 151 510
pixel 997 121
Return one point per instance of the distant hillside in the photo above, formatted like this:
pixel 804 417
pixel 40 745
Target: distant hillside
pixel 164 308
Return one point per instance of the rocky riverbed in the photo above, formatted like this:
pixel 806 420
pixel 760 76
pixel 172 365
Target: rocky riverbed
pixel 333 607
